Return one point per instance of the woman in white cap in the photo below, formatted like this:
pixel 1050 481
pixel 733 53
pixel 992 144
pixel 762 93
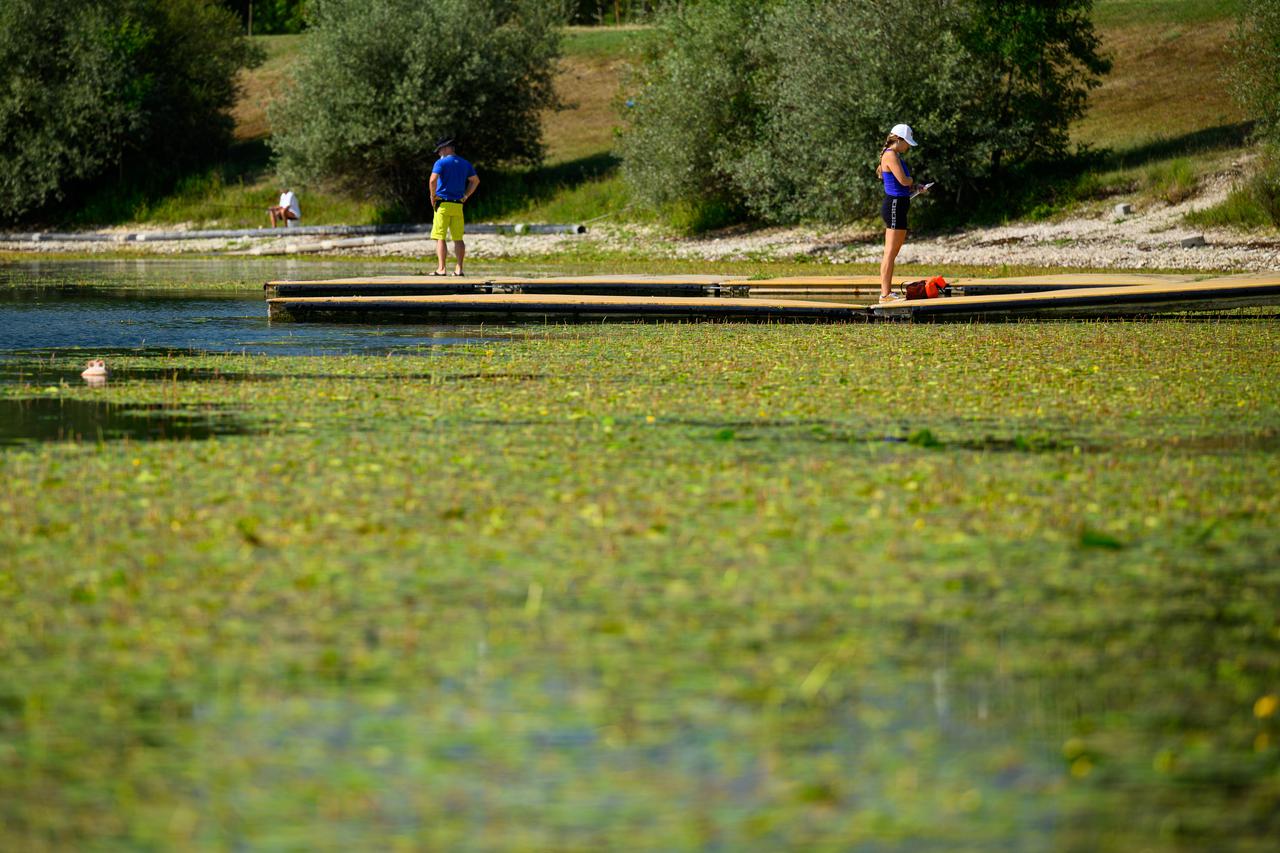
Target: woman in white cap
pixel 898 185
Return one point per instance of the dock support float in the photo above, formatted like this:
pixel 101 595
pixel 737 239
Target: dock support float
pixel 525 307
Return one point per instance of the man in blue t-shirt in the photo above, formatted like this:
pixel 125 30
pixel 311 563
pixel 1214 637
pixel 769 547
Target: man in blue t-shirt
pixel 453 180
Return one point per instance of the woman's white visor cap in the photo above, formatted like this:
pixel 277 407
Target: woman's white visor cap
pixel 903 131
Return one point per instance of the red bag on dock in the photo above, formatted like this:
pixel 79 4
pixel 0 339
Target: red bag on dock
pixel 927 288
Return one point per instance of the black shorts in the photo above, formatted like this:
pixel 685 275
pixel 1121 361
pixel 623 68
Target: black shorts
pixel 893 210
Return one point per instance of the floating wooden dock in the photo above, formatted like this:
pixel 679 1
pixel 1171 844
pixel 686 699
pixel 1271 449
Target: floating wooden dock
pixel 709 297
pixel 1067 281
pixel 377 286
pixel 489 307
pixel 621 285
pixel 870 284
pixel 1137 300
pixel 688 285
pixel 428 285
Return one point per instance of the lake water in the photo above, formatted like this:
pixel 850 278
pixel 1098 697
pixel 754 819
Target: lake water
pixel 110 306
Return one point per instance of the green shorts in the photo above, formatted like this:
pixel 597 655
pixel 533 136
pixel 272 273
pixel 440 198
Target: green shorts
pixel 448 220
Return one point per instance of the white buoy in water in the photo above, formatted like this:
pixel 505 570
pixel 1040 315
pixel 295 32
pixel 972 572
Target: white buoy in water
pixel 95 372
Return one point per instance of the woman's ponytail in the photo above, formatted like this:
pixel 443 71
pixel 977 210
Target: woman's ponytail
pixel 889 141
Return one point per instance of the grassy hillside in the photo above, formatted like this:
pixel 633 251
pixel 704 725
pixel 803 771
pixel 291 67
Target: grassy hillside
pixel 1165 112
pixel 1125 13
pixel 1167 79
pixel 1162 123
pixel 1164 116
pixel 260 85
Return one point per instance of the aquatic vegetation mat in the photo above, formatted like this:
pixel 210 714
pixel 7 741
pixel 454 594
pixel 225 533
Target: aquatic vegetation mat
pixel 962 587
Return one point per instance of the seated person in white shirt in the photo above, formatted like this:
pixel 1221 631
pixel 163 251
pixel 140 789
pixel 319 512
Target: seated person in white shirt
pixel 287 210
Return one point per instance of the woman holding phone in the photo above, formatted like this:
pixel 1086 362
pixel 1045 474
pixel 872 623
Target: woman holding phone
pixel 898 187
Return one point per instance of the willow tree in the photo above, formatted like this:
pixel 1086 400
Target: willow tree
pixel 100 90
pixel 381 80
pixel 777 109
pixel 1256 85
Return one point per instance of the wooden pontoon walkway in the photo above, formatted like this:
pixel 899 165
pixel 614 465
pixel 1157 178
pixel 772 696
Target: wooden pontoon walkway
pixel 426 285
pixel 962 285
pixel 688 285
pixel 1137 300
pixel 556 308
pixel 638 297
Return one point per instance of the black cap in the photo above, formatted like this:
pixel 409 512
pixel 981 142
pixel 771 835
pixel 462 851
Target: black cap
pixel 444 142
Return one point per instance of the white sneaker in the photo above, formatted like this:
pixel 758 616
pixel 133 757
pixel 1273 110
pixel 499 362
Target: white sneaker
pixel 892 297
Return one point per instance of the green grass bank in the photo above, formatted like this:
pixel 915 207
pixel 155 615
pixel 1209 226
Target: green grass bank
pixel 665 587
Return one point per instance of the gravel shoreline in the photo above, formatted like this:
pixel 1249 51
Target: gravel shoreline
pixel 1150 238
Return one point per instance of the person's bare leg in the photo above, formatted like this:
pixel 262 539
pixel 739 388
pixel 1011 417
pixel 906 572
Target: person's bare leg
pixel 893 240
pixel 271 212
pixel 460 250
pixel 442 254
pixel 886 271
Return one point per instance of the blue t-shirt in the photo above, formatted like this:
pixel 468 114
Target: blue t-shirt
pixel 892 188
pixel 453 172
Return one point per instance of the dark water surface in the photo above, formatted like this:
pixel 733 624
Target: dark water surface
pixel 63 419
pixel 203 305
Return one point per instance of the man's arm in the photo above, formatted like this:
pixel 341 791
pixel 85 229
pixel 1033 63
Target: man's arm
pixel 433 183
pixel 472 183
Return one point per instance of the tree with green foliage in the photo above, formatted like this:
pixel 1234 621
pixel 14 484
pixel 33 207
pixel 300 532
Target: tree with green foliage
pixel 828 110
pixel 618 11
pixel 97 90
pixel 695 111
pixel 270 17
pixel 1256 85
pixel 380 80
pixel 1041 58
pixel 780 109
